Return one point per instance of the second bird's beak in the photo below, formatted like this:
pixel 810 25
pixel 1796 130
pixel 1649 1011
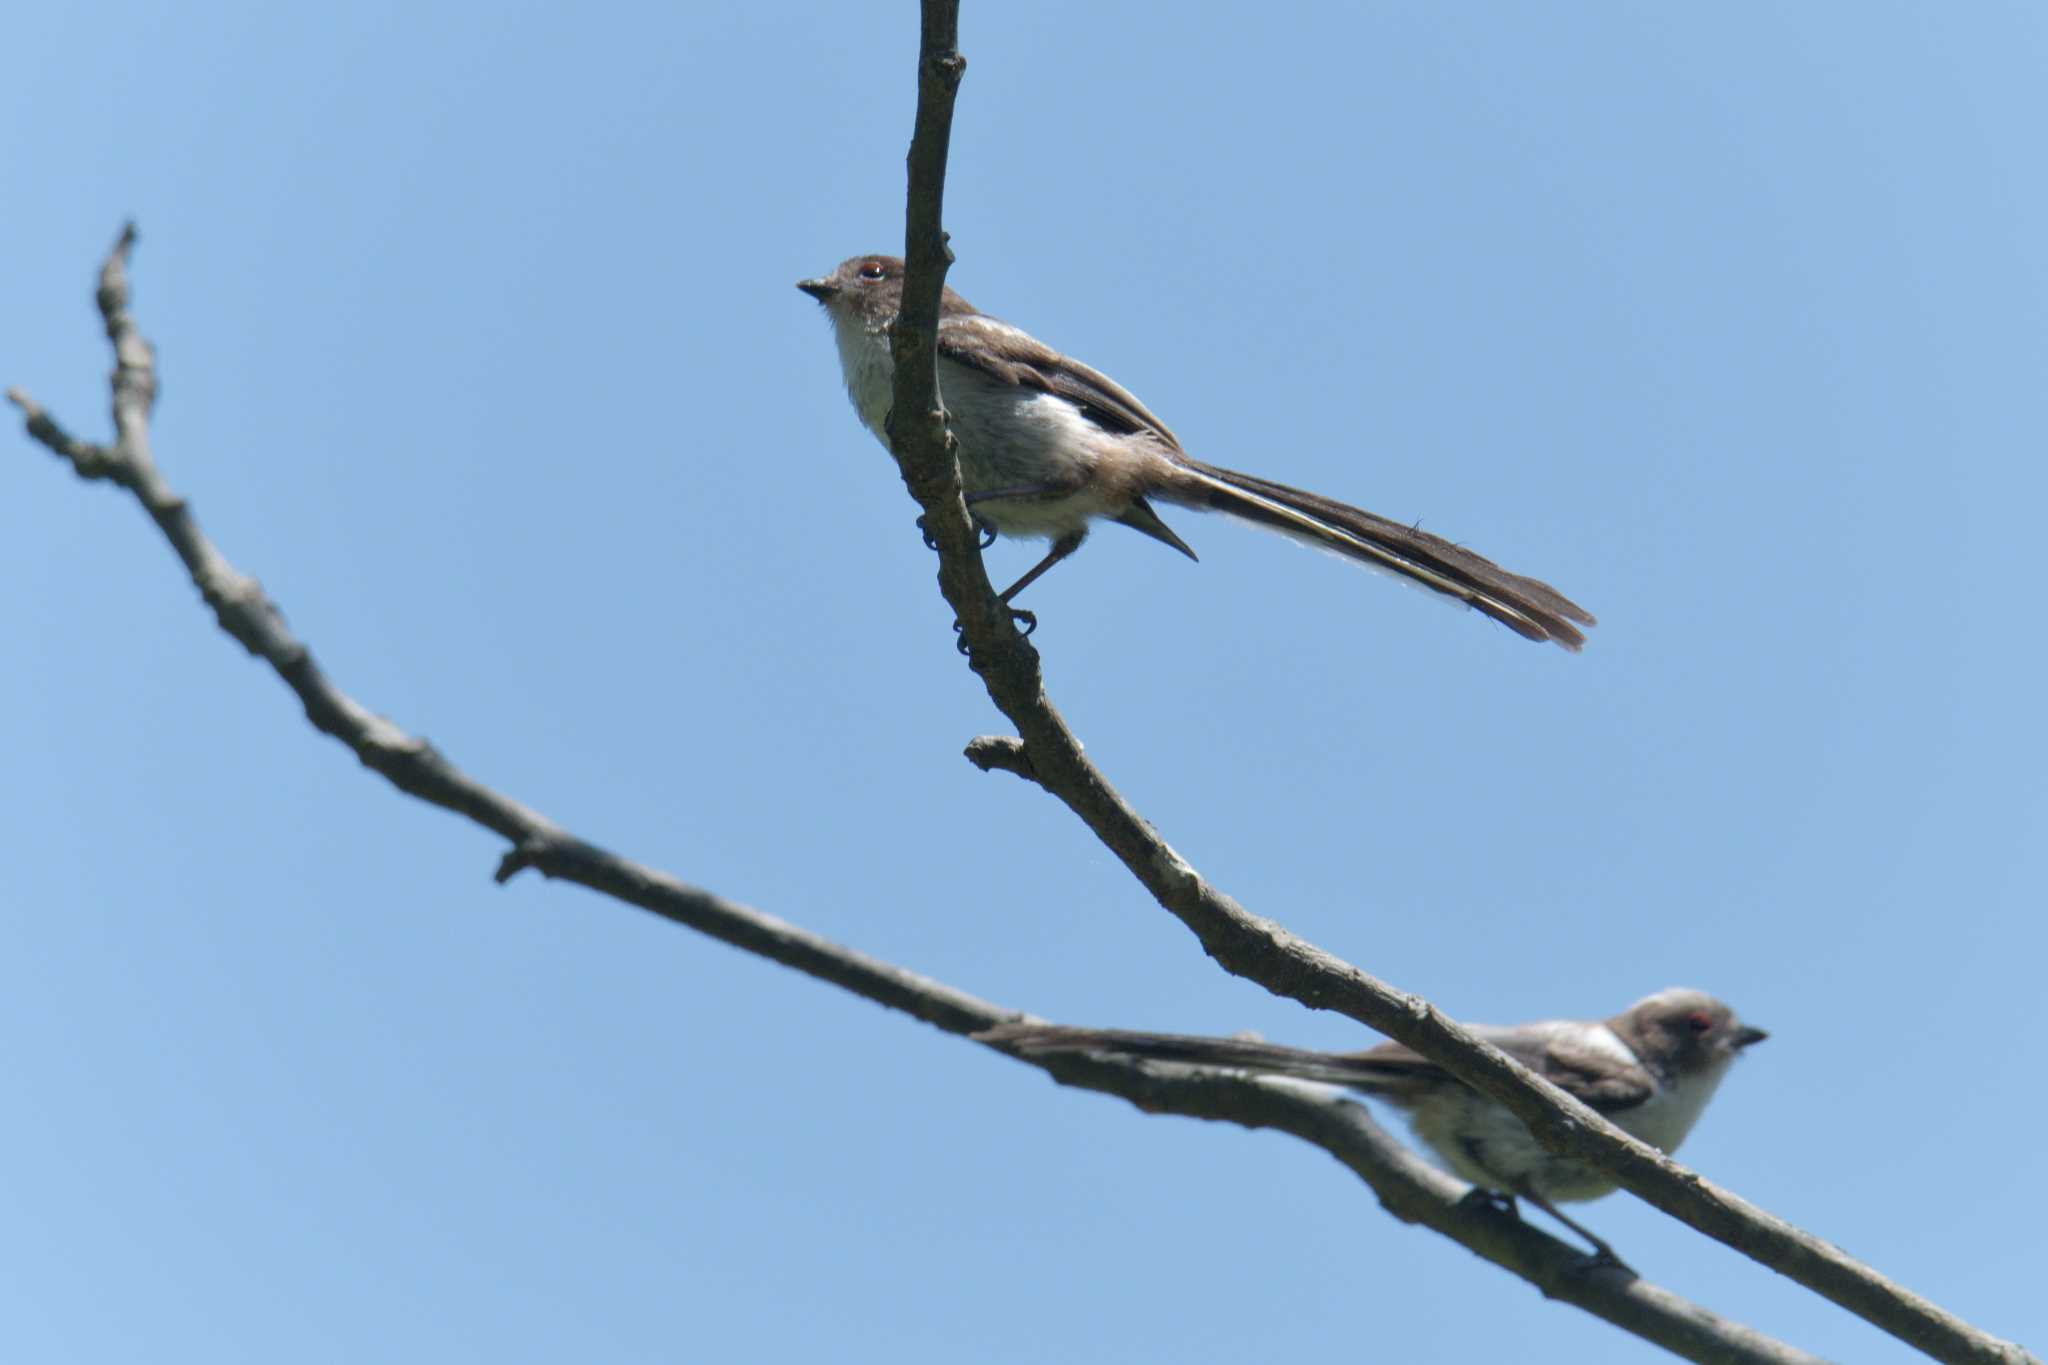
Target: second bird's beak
pixel 1745 1036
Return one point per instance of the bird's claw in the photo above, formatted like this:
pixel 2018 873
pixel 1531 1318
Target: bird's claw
pixel 1602 1257
pixel 1024 621
pixel 982 529
pixel 1493 1199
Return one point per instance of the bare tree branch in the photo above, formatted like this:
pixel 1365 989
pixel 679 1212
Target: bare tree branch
pixel 1407 1185
pixel 412 764
pixel 1242 943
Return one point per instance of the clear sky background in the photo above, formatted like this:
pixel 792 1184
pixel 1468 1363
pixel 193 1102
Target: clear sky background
pixel 479 348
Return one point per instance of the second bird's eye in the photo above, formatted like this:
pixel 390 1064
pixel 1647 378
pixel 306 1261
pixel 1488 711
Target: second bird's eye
pixel 1699 1021
pixel 872 271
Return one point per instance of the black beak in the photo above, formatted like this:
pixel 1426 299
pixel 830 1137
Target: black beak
pixel 1745 1036
pixel 821 290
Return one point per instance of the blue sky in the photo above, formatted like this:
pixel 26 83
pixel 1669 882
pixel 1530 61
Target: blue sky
pixel 479 349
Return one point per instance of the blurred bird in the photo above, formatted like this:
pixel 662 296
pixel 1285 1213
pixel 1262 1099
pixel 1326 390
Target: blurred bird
pixel 1649 1070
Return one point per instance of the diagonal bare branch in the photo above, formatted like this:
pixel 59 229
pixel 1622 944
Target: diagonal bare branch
pixel 1245 944
pixel 411 763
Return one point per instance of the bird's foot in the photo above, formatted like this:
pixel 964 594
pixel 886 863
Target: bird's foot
pixel 982 529
pixel 1600 1258
pixel 1493 1199
pixel 1024 621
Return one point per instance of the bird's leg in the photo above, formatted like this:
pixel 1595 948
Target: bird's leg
pixel 1061 548
pixel 1603 1254
pixel 1028 621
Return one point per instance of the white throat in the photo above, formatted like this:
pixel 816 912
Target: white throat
pixel 1666 1117
pixel 868 369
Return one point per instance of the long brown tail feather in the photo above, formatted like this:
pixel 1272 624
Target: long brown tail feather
pixel 1359 1070
pixel 1527 606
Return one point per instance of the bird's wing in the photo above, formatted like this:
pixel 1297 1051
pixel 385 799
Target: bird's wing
pixel 1591 1074
pixel 1010 356
pixel 1594 1075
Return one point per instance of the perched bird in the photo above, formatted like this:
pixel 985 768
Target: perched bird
pixel 1048 445
pixel 1650 1070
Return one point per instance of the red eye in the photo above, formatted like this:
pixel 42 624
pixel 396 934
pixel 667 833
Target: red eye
pixel 872 271
pixel 1699 1021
